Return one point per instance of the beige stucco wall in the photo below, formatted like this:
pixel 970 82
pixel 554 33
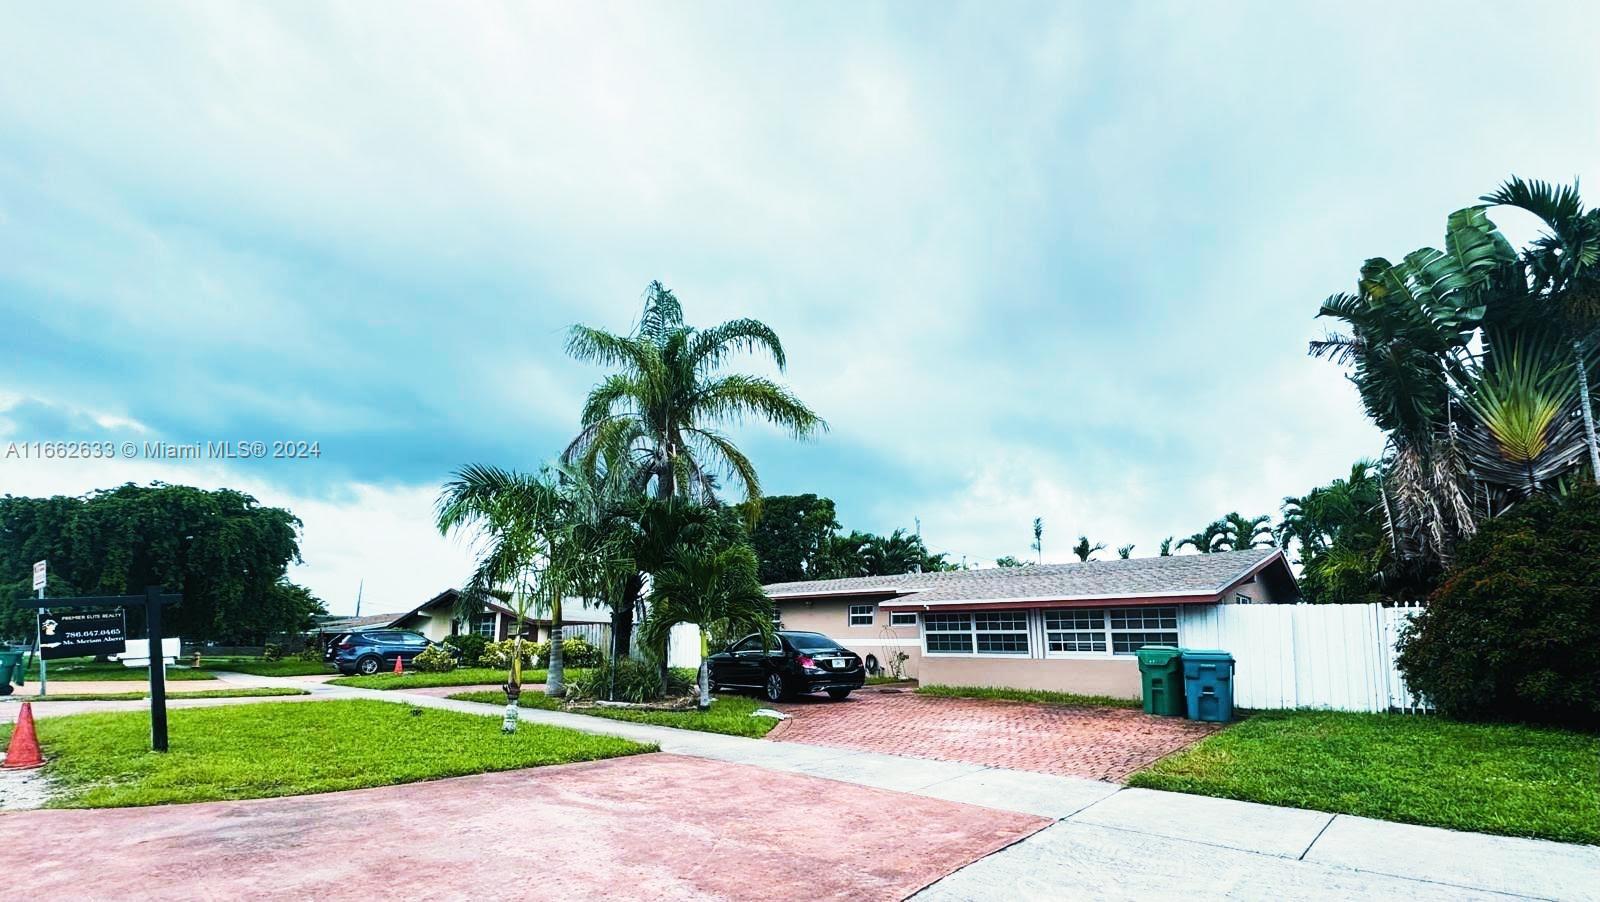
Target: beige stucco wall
pixel 1118 677
pixel 831 618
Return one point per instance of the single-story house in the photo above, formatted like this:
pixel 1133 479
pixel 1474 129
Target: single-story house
pixel 436 618
pixel 1058 627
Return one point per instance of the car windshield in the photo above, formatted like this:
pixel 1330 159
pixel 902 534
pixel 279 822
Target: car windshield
pixel 810 641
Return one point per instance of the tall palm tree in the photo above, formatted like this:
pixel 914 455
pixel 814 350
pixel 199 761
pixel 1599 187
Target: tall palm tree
pixel 1038 538
pixel 516 520
pixel 715 588
pixel 1561 265
pixel 1084 550
pixel 659 411
pixel 1205 541
pixel 1166 547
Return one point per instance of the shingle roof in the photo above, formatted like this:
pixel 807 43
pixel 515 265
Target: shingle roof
pixel 1193 574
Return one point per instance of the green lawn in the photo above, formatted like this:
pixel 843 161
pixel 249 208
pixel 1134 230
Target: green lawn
pixel 285 667
pixel 1519 781
pixel 1036 696
pixel 268 750
pixel 881 680
pixel 70 670
pixel 461 676
pixel 241 692
pixel 729 714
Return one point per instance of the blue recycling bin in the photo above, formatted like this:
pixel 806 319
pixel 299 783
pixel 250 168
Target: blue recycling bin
pixel 1208 684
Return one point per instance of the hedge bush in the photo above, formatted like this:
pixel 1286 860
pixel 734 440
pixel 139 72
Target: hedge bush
pixel 498 654
pixel 471 645
pixel 636 681
pixel 575 652
pixel 1514 631
pixel 434 659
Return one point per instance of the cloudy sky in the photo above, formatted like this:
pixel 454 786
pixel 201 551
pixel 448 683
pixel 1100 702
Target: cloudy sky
pixel 1055 260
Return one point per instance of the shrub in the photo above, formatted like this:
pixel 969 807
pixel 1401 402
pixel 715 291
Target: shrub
pixel 312 652
pixel 498 654
pixel 636 681
pixel 272 651
pixel 434 659
pixel 575 652
pixel 471 645
pixel 1514 631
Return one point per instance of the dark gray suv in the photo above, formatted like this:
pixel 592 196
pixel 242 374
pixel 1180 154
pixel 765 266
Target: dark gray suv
pixel 376 651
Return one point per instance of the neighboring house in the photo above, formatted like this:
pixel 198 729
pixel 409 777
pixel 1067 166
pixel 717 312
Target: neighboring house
pixel 436 618
pixel 333 625
pixel 1059 627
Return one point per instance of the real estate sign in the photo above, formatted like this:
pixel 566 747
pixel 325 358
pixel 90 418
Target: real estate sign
pixel 38 575
pixel 84 633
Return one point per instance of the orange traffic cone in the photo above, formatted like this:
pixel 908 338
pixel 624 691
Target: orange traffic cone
pixel 397 667
pixel 24 749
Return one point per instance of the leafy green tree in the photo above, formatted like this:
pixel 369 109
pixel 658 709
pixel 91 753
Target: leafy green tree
pixel 660 410
pixel 1205 541
pixel 1084 550
pixel 1166 547
pixel 1038 538
pixel 791 536
pixel 225 552
pixel 1009 561
pixel 1343 551
pixel 1514 631
pixel 1125 551
pixel 1239 533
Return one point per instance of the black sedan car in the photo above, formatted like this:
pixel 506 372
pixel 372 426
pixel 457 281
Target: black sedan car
pixel 795 663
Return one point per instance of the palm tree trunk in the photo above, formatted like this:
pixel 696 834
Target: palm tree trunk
pixel 513 683
pixel 555 680
pixel 705 670
pixel 1588 410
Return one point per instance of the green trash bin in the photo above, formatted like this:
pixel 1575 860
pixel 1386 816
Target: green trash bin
pixel 1161 672
pixel 10 670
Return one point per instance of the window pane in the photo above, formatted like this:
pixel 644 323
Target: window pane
pixel 946 622
pixel 1128 643
pixel 903 618
pixel 1134 628
pixel 861 614
pixel 950 642
pixel 1002 632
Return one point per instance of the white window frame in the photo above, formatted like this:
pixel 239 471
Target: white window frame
pixel 853 612
pixel 895 615
pixel 972 632
pixel 1111 633
pixel 1093 613
pixel 493 619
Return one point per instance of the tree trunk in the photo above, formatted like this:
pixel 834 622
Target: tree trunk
pixel 555 680
pixel 1588 410
pixel 622 616
pixel 513 683
pixel 705 671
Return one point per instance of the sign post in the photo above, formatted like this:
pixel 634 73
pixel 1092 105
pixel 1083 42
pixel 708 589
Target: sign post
pixel 77 634
pixel 39 568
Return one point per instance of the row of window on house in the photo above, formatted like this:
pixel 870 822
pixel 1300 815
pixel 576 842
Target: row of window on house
pixel 1121 631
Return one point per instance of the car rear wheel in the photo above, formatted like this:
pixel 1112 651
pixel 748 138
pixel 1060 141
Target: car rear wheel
pixel 776 691
pixel 838 695
pixel 369 665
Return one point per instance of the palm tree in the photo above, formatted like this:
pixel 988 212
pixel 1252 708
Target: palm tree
pixel 1523 400
pixel 1166 547
pixel 1237 532
pixel 716 589
pixel 517 520
pixel 659 410
pixel 1125 551
pixel 1561 265
pixel 1038 538
pixel 1084 550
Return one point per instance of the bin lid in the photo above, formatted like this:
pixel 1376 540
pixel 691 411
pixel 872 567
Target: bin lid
pixel 1216 654
pixel 1157 654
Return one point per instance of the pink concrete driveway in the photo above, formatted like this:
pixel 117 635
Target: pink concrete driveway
pixel 645 827
pixel 1069 741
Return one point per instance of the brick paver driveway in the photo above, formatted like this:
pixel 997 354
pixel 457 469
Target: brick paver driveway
pixel 1092 742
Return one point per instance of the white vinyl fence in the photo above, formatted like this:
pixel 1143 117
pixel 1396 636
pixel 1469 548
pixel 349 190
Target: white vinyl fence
pixel 1337 656
pixel 683 643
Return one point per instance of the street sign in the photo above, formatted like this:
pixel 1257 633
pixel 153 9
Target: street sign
pixel 38 575
pixel 73 635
